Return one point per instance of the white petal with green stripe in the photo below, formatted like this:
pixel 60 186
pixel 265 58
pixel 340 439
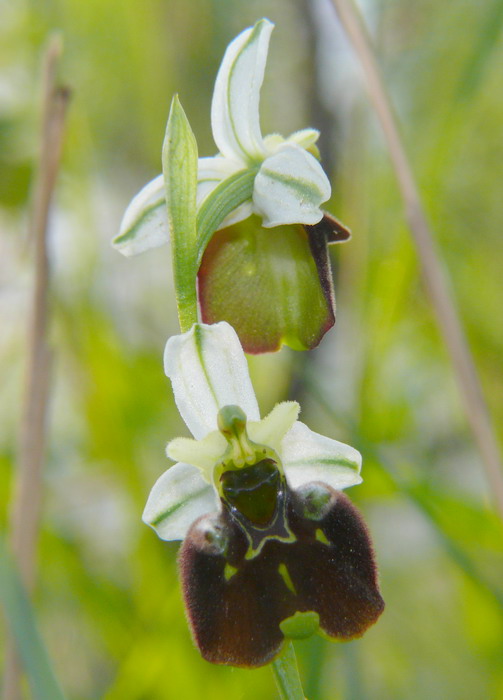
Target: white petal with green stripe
pixel 308 456
pixel 178 497
pixel 235 106
pixel 145 222
pixel 208 370
pixel 290 188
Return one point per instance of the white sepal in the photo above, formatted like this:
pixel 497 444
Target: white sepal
pixel 208 371
pixel 235 107
pixel 145 221
pixel 308 456
pixel 290 188
pixel 178 497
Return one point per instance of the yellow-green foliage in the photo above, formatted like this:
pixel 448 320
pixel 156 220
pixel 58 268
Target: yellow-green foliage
pixel 108 600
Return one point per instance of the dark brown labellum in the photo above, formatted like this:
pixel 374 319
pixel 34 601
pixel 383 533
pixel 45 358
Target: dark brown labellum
pixel 236 604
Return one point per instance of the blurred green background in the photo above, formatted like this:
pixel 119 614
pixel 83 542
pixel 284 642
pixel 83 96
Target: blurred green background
pixel 108 599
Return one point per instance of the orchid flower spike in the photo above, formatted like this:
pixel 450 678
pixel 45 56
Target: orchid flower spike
pixel 272 548
pixel 290 184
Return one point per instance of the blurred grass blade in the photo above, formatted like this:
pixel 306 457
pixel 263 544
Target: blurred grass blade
pixel 485 44
pixel 455 551
pixel 433 268
pixel 19 616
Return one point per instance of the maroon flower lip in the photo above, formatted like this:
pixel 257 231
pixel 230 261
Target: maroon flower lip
pixel 235 605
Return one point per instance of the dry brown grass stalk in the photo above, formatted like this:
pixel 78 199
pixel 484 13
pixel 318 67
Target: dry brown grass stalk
pixel 433 270
pixel 27 497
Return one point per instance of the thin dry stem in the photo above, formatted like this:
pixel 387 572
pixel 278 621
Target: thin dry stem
pixel 27 499
pixel 433 269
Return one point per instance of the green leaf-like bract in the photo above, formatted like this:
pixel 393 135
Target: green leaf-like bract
pixel 179 161
pixel 226 197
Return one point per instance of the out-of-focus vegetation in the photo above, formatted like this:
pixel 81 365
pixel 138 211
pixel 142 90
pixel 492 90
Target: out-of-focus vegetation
pixel 108 600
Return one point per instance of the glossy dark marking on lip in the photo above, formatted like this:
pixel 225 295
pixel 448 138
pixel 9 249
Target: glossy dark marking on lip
pixel 253 491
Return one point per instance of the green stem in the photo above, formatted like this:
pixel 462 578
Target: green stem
pixel 179 164
pixel 286 674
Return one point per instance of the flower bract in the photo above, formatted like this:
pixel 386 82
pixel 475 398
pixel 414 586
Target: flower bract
pixel 268 534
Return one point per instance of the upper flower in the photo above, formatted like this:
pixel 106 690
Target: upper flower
pixel 289 182
pixel 215 397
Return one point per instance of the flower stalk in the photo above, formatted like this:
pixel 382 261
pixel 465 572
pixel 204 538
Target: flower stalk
pixel 286 675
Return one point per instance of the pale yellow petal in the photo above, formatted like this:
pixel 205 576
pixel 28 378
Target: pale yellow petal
pixel 272 429
pixel 203 454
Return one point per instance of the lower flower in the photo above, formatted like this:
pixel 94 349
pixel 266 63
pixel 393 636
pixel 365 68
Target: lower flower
pixel 272 548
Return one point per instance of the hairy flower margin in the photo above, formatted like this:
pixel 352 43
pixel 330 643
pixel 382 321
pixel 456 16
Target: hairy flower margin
pixel 272 548
pixel 289 184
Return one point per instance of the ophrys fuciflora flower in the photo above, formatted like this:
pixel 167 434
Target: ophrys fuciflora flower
pixel 272 547
pixel 268 258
